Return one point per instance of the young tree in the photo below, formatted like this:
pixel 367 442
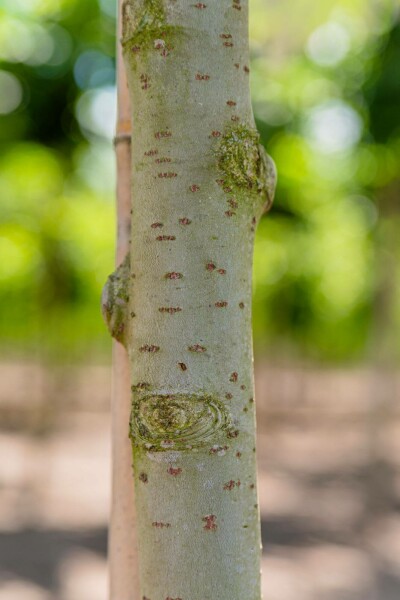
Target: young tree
pixel 181 300
pixel 122 546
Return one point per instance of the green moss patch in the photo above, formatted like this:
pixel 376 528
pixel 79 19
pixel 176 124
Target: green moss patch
pixel 244 164
pixel 147 27
pixel 239 159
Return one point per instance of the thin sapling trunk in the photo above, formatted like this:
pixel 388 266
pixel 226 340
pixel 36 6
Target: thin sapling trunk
pixel 181 301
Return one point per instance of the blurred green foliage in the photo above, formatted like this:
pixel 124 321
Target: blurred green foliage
pixel 326 92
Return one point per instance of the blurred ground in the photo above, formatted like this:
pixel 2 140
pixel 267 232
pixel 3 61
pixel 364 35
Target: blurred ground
pixel 329 473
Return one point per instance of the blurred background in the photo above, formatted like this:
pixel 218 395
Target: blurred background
pixel 326 90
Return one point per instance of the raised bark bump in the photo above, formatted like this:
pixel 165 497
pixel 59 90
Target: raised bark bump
pixel 179 421
pixel 114 301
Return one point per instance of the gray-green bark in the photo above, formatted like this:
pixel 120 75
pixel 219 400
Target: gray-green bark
pixel 200 183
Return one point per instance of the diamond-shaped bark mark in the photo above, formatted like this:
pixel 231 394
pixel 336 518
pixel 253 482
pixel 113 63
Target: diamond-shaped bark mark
pixel 184 221
pixel 220 450
pixel 210 522
pixel 162 134
pixel 165 238
pixel 160 524
pixel 149 348
pixel 233 434
pixel 156 225
pixel 194 188
pixel 221 304
pixel 230 485
pixel 143 477
pixel 210 266
pixel 174 472
pixel 171 310
pixel 144 81
pixel 163 46
pixel 234 377
pixel 200 5
pixel 202 76
pixel 168 175
pixel 142 385
pixel 173 275
pixel 197 348
pixel 231 103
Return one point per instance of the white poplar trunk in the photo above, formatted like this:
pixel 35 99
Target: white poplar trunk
pixel 181 303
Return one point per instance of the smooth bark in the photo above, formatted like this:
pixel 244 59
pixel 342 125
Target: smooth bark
pixel 122 544
pixel 181 303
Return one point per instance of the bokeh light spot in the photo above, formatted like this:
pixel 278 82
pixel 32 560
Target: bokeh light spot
pixel 96 112
pixel 328 44
pixel 334 126
pixel 11 93
pixel 94 69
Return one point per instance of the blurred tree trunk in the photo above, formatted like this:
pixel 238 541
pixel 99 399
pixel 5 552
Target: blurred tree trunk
pixel 181 300
pixel 122 551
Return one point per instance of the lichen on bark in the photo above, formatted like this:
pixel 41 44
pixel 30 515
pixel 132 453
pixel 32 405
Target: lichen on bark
pixel 115 299
pixel 145 24
pixel 245 165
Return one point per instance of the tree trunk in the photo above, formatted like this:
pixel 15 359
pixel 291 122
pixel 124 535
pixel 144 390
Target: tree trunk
pixel 122 550
pixel 181 302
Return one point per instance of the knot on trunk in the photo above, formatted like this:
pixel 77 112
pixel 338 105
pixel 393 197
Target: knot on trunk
pixel 269 175
pixel 114 301
pixel 162 422
pixel 245 164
